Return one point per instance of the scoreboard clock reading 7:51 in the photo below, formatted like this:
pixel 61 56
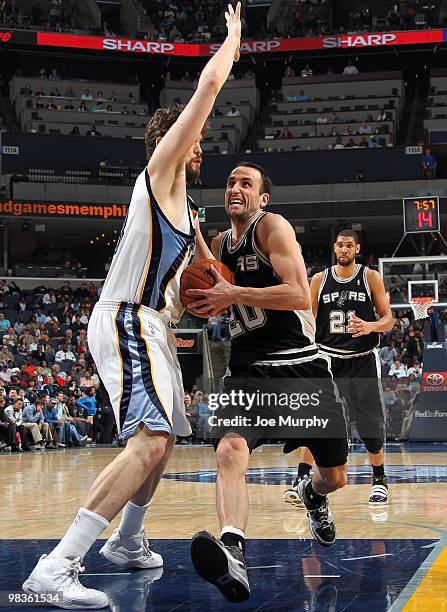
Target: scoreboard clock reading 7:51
pixel 421 215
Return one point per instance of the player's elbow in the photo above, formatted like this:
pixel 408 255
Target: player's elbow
pixel 210 85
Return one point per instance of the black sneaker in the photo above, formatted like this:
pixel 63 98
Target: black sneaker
pixel 223 566
pixel 379 490
pixel 321 523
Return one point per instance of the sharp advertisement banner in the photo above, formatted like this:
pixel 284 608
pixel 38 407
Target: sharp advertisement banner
pixel 125 45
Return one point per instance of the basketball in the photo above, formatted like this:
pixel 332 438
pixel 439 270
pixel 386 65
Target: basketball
pixel 198 276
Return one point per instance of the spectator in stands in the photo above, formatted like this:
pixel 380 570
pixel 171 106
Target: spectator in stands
pixel 387 356
pixel 86 95
pixel 286 133
pixel 338 143
pixel 289 72
pixel 75 131
pixel 88 401
pixel 5 354
pixel 321 119
pixel 307 71
pixel 373 142
pixel 97 108
pixel 429 163
pixel 83 107
pixel 334 132
pixel 365 128
pixel 34 422
pixel 359 177
pixel 70 93
pixel 398 369
pixel 55 93
pixel 302 97
pixel 7 429
pixel 69 106
pixel 413 348
pixel 233 112
pixel 93 131
pixel 87 381
pixel 415 370
pixel 65 357
pixel 363 142
pixel 51 416
pixel 350 68
pixel 5 324
pixel 291 97
pixel 14 413
pixel 350 144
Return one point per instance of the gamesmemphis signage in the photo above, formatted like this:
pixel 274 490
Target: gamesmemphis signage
pixel 60 210
pixel 277 45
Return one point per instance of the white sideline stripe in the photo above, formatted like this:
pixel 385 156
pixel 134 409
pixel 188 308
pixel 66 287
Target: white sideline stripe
pixel 368 557
pixel 110 574
pixel 322 576
pixel 263 567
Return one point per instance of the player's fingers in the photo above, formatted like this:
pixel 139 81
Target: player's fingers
pixel 216 274
pixel 197 292
pixel 238 11
pixel 227 17
pixel 230 9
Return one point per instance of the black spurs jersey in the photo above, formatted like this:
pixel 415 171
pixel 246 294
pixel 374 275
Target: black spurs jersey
pixel 337 299
pixel 264 336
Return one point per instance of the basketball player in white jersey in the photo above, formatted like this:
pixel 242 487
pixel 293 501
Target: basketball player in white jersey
pixel 133 345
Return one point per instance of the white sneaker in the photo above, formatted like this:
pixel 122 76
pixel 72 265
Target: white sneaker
pixel 117 550
pixel 60 575
pixel 291 495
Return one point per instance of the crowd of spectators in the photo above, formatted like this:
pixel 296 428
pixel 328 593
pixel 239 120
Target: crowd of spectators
pixel 194 21
pixel 50 393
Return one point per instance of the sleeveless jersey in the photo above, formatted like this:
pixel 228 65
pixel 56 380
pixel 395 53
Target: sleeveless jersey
pixel 260 335
pixel 337 299
pixel 151 255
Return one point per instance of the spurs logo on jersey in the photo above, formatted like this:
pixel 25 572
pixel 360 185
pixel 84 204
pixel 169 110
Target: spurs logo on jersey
pixel 260 335
pixel 338 299
pixel 151 254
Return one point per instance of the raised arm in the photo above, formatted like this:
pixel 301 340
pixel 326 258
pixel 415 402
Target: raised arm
pixel 175 145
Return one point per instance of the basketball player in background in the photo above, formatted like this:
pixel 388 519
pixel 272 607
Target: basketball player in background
pixel 345 299
pixel 272 337
pixel 133 346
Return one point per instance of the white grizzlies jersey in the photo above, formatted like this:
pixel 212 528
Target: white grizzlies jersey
pixel 151 255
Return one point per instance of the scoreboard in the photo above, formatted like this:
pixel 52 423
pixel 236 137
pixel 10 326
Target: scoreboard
pixel 421 215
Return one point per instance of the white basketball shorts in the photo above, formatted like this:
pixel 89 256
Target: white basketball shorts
pixel 136 356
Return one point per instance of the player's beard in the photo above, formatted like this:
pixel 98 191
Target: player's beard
pixel 192 174
pixel 346 262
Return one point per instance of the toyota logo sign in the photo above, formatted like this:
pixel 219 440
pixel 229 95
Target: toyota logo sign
pixel 434 379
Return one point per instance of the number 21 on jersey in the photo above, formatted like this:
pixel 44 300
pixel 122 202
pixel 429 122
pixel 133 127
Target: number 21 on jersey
pixel 339 321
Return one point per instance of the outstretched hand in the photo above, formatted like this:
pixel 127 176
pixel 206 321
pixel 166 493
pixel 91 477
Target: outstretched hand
pixel 214 300
pixel 233 19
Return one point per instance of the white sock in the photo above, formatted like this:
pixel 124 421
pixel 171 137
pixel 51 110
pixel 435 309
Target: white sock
pixel 231 529
pixel 82 534
pixel 132 519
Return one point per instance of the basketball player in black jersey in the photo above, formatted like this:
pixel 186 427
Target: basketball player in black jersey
pixel 345 299
pixel 272 337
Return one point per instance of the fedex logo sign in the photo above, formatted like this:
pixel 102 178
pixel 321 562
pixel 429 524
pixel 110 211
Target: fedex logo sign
pixel 359 40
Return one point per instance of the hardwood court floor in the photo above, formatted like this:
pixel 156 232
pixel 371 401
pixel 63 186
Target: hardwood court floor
pixel 46 489
pixel 384 560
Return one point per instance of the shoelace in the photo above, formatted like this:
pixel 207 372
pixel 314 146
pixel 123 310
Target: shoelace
pixel 322 517
pixel 72 572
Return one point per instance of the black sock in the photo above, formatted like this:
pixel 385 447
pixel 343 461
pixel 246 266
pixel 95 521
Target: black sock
pixel 315 498
pixel 234 539
pixel 303 470
pixel 378 471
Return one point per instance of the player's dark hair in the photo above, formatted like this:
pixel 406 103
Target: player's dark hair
pixel 159 124
pixel 347 233
pixel 267 182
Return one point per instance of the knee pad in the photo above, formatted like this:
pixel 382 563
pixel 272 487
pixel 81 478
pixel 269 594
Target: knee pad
pixel 373 445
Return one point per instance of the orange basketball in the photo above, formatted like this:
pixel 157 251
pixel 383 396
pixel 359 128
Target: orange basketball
pixel 198 276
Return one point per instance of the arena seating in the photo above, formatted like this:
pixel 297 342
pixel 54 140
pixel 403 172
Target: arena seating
pixel 435 121
pixel 316 110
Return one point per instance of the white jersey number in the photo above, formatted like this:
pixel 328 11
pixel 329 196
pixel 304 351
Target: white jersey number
pixel 245 318
pixel 338 321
